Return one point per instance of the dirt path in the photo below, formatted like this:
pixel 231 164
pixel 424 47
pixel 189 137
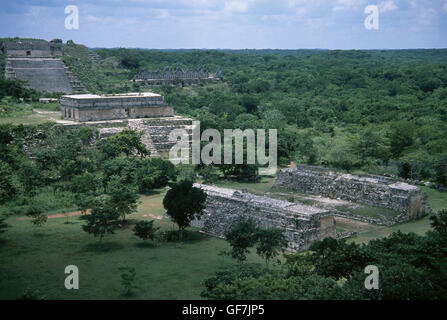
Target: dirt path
pixel 152 216
pixel 59 215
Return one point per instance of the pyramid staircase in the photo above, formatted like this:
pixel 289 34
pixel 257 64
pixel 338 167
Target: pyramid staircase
pixel 138 125
pixel 43 74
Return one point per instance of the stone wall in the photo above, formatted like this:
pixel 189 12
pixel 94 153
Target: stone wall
pixel 377 191
pixel 89 107
pixel 97 114
pixel 302 225
pixel 33 48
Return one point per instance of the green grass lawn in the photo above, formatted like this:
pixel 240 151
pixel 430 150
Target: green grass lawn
pixel 32 118
pixel 37 259
pixel 258 188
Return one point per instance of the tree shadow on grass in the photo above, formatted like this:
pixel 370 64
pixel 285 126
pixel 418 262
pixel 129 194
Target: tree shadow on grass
pixel 154 192
pixel 189 237
pixel 105 247
pixel 40 234
pixel 146 245
pixel 71 222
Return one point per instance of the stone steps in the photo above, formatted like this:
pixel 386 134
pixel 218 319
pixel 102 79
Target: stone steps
pixel 43 74
pixel 137 124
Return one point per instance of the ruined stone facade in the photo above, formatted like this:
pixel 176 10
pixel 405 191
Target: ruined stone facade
pixel 302 225
pixel 177 76
pixel 91 107
pixel 37 63
pixel 33 49
pixel 377 191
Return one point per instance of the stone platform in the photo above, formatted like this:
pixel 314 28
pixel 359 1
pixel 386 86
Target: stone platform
pixel 303 225
pixel 372 190
pixel 93 107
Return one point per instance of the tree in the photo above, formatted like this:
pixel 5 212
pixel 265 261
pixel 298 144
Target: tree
pixel 154 173
pixel 241 236
pixel 402 135
pixel 9 185
pixel 439 222
pixel 270 242
pixel 338 259
pixel 102 220
pixel 83 186
pixel 123 198
pixel 184 203
pixel 145 230
pixel 126 142
pixel 85 202
pixel 249 102
pixel 209 173
pixel 37 217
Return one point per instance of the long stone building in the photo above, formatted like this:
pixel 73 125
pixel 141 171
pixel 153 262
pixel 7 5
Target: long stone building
pixel 372 190
pixel 302 224
pixel 177 75
pixel 92 107
pixel 38 64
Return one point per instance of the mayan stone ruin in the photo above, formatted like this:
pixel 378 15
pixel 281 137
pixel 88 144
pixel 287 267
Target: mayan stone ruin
pixel 110 114
pixel 408 200
pixel 302 225
pixel 38 63
pixel 92 107
pixel 177 76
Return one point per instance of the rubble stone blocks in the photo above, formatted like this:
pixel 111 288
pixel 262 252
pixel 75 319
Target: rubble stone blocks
pixel 92 107
pixel 302 224
pixel 37 63
pixel 410 201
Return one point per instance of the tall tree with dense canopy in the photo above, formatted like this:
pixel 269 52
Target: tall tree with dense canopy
pixel 123 198
pixel 270 243
pixel 184 203
pixel 102 220
pixel 242 235
pixel 126 142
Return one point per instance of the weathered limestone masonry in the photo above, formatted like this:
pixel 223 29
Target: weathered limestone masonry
pixel 155 130
pixel 37 63
pixel 91 107
pixel 377 191
pixel 302 225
